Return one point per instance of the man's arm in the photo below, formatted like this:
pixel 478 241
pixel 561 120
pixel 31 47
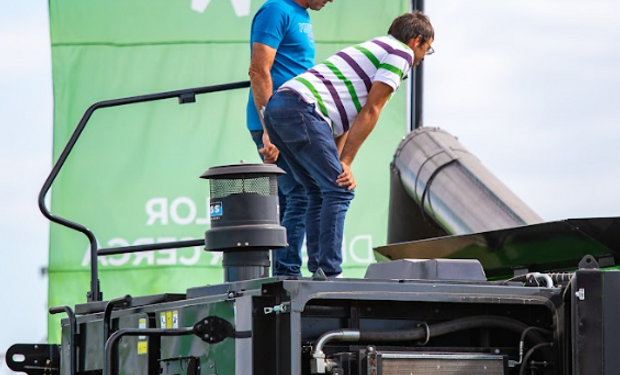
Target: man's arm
pixel 361 128
pixel 262 88
pixel 340 141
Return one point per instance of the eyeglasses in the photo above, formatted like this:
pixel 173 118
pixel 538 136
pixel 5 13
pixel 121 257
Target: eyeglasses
pixel 430 50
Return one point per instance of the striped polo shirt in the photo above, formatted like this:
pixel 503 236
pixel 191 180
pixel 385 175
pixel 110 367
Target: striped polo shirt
pixel 340 85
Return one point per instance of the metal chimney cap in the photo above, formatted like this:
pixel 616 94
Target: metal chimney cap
pixel 242 171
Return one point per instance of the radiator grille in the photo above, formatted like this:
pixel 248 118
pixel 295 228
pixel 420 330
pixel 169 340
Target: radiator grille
pixel 437 364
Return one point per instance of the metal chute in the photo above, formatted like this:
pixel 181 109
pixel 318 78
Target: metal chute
pixel 439 188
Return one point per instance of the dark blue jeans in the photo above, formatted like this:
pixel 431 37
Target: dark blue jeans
pixel 306 142
pixel 293 203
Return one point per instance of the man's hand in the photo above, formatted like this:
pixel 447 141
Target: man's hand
pixel 346 178
pixel 269 151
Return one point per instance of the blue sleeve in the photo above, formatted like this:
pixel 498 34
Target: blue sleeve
pixel 269 25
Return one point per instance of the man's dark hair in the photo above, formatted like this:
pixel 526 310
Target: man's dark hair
pixel 411 25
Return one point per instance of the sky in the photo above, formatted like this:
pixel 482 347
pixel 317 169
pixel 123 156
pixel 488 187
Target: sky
pixel 25 161
pixel 532 88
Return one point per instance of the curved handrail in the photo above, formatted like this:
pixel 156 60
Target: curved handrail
pixel 185 96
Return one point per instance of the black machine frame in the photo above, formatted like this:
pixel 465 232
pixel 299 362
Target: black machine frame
pixel 275 325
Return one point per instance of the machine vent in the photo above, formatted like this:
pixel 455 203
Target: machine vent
pixel 396 363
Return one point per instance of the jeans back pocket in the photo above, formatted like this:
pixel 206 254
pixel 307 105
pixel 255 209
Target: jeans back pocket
pixel 291 129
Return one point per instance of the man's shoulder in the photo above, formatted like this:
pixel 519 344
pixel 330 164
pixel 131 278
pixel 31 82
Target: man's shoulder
pixel 278 6
pixel 271 14
pixel 386 39
pixel 395 43
pixel 284 13
pixel 386 44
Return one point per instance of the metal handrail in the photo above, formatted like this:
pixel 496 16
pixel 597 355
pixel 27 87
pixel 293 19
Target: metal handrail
pixel 149 332
pixel 72 335
pixel 185 96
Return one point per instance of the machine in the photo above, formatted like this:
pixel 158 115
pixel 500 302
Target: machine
pixel 472 282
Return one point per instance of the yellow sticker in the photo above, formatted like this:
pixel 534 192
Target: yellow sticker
pixel 143 347
pixel 168 319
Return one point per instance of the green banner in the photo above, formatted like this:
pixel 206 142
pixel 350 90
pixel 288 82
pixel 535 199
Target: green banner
pixel 133 176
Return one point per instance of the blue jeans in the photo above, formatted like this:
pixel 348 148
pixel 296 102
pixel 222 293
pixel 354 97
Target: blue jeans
pixel 306 142
pixel 293 203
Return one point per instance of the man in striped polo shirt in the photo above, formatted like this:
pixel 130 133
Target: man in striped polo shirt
pixel 319 119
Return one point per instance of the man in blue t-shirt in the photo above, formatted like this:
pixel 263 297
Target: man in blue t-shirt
pixel 282 47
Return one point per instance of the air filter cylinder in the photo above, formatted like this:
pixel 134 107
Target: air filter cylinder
pixel 245 220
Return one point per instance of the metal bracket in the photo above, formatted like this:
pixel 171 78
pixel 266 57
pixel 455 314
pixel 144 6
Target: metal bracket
pixel 188 97
pixel 319 275
pixel 588 262
pixel 34 359
pixel 581 294
pixel 214 329
pixel 371 359
pixel 284 307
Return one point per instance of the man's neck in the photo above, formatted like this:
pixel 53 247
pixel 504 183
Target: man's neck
pixel 302 3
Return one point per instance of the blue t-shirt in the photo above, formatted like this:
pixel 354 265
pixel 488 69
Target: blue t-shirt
pixel 285 26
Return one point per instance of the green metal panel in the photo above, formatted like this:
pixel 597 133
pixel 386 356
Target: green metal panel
pixel 216 358
pixel 552 246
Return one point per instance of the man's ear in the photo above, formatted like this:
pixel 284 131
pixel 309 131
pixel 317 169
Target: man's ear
pixel 415 42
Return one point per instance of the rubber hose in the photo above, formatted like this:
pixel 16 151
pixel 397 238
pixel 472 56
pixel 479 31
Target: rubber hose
pixel 444 328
